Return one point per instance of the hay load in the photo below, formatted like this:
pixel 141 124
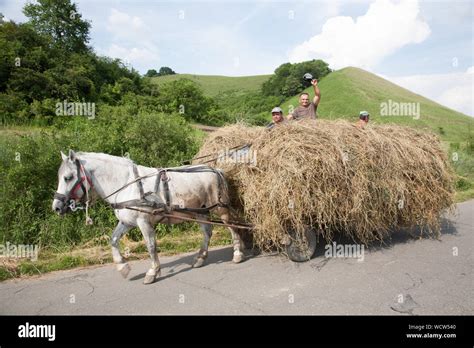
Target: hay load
pixel 334 177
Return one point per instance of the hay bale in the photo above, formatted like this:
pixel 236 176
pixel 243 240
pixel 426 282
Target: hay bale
pixel 335 177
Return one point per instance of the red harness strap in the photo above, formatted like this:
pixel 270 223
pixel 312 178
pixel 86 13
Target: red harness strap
pixel 80 183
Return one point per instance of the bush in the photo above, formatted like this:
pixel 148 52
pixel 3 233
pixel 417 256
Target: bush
pixel 462 184
pixel 13 109
pixel 251 107
pixel 160 140
pixel 187 98
pixel 29 165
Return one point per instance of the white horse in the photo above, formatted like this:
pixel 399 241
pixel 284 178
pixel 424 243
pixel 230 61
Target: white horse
pixel 197 187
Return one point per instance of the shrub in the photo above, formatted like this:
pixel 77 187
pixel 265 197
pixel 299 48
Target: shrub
pixel 29 165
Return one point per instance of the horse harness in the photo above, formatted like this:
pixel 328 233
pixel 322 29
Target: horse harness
pixel 81 177
pixel 152 199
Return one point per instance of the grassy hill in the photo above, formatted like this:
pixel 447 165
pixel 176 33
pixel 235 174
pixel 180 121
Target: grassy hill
pixel 214 84
pixel 347 91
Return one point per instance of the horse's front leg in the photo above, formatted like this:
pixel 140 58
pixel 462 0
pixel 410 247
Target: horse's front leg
pixel 119 231
pixel 149 235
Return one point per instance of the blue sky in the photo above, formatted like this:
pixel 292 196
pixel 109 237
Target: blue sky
pixel 425 46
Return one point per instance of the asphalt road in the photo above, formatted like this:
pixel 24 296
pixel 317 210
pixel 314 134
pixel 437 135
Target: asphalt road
pixel 408 276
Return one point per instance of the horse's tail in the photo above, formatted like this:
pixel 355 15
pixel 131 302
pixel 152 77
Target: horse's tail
pixel 223 188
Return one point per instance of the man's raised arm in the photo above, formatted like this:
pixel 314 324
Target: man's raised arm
pixel 317 92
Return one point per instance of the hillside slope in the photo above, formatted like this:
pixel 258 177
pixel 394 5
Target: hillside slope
pixel 212 85
pixel 347 91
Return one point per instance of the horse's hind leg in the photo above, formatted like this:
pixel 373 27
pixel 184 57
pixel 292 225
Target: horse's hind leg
pixel 237 241
pixel 149 235
pixel 119 231
pixel 207 234
pixel 238 246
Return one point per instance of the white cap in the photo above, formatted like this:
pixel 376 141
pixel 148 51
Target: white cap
pixel 277 109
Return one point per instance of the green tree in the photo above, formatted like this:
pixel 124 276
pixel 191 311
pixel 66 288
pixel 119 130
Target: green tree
pixel 288 78
pixel 166 71
pixel 60 20
pixel 292 86
pixel 187 98
pixel 22 47
pixel 151 73
pixel 34 72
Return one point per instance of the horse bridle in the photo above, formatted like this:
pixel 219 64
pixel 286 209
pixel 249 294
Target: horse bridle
pixel 81 177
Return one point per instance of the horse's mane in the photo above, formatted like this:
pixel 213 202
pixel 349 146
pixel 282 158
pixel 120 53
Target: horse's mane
pixel 105 157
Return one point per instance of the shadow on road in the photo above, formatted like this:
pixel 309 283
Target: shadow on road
pixel 225 254
pixel 408 235
pixel 214 257
pixel 414 234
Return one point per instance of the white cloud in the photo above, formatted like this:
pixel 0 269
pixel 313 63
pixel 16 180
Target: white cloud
pixel 454 90
pixel 219 50
pixel 333 8
pixel 133 55
pixel 386 27
pixel 131 41
pixel 124 26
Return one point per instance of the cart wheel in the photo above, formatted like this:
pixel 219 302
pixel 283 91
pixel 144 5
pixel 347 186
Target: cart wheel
pixel 301 250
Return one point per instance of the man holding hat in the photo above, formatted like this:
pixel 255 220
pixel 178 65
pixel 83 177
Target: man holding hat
pixel 307 109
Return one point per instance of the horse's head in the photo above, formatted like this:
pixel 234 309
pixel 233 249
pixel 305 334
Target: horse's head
pixel 73 184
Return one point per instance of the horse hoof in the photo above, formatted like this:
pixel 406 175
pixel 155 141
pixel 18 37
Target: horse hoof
pixel 238 258
pixel 124 269
pixel 198 263
pixel 149 279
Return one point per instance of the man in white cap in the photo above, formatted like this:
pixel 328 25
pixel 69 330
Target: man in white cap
pixel 363 119
pixel 277 118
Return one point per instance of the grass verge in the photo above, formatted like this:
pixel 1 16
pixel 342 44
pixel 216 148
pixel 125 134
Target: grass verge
pixel 98 252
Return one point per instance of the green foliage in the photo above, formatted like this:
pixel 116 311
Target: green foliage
pixel 470 144
pixel 454 146
pixel 29 165
pixel 151 73
pixel 160 139
pixel 463 184
pixel 28 171
pixel 463 162
pixel 235 98
pixel 186 97
pixel 23 51
pixel 13 107
pixel 461 158
pixel 251 107
pixel 288 78
pixel 166 71
pixel 60 20
pixel 35 74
